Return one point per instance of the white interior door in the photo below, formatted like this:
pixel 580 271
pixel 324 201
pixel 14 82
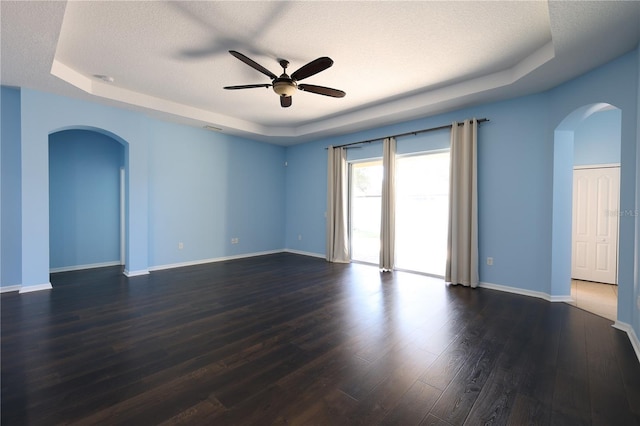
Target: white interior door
pixel 595 224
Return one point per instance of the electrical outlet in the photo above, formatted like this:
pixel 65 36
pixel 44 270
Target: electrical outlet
pixel 235 240
pixel 490 261
pixel 180 246
pixel 299 237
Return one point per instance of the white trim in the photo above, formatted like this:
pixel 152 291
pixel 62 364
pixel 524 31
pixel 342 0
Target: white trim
pixel 37 287
pixel 82 267
pixel 305 253
pixel 137 273
pixel 597 166
pixel 525 292
pixel 566 299
pixel 212 260
pixel 128 273
pixel 123 217
pixel 9 288
pixel 633 337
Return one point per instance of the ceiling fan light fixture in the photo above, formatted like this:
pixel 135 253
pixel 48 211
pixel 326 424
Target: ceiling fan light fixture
pixel 284 87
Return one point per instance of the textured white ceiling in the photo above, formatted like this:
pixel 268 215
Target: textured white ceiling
pixel 396 60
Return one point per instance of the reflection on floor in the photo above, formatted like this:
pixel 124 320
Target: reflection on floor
pixel 598 298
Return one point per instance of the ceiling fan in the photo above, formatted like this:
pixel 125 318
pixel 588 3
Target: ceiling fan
pixel 285 85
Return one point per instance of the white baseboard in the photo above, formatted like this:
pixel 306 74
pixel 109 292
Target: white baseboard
pixel 10 288
pixel 137 273
pixel 140 272
pixel 305 253
pixel 82 267
pixel 211 260
pixel 633 337
pixel 524 292
pixel 36 287
pixel 567 299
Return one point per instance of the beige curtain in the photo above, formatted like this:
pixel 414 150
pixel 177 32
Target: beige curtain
pixel 337 235
pixel 388 216
pixel 462 248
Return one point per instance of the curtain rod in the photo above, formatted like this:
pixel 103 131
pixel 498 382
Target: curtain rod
pixel 447 126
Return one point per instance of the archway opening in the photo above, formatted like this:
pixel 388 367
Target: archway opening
pixel 87 201
pixel 588 138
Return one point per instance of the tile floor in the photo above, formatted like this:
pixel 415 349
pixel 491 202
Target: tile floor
pixel 598 298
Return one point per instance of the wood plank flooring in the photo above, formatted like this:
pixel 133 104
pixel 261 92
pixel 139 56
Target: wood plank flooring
pixel 289 340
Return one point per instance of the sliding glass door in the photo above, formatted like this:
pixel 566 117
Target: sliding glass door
pixel 422 203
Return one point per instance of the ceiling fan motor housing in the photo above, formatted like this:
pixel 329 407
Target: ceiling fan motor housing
pixel 284 86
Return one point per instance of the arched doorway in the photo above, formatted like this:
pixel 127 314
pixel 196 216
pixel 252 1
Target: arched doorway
pixel 86 206
pixel 567 137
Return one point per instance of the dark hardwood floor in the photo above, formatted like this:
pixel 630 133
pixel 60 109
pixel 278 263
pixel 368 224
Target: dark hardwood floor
pixel 287 339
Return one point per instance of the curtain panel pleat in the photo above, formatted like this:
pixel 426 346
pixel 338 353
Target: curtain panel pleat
pixel 388 213
pixel 337 249
pixel 462 244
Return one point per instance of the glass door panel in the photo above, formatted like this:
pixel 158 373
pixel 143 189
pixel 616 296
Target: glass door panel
pixel 365 199
pixel 422 205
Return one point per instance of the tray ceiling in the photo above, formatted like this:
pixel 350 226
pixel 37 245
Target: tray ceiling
pixel 395 60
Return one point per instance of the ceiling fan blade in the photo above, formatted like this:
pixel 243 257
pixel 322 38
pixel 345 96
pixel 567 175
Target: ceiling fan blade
pixel 254 64
pixel 321 90
pixel 247 86
pixel 313 67
pixel 285 101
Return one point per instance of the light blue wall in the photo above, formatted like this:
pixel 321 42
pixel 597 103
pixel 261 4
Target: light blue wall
pixel 10 181
pixel 513 170
pixel 84 198
pixel 562 218
pixel 306 197
pixel 206 188
pixel 597 140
